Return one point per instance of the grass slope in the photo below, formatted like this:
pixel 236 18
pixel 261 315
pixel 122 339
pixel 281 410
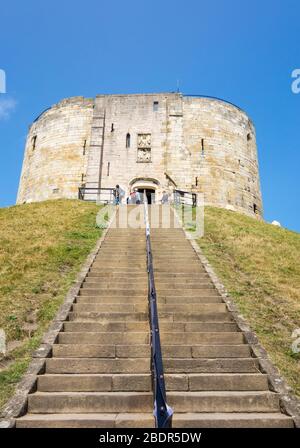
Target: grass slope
pixel 260 266
pixel 42 247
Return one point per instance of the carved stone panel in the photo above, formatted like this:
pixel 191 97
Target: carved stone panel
pixel 144 140
pixel 144 155
pixel 144 148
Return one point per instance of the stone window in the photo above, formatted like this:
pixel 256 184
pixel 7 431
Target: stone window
pixel 202 147
pixel 144 148
pixel 249 137
pixel 112 128
pixel 155 106
pixel 255 208
pixel 84 148
pixel 128 140
pixel 33 140
pixel 108 168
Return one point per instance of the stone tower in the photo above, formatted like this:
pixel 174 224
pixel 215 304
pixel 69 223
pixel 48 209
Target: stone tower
pixel 162 141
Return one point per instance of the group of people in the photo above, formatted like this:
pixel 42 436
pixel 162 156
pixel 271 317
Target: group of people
pixel 134 196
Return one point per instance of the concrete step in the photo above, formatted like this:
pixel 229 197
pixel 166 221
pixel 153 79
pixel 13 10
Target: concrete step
pixel 232 420
pixel 112 275
pixel 109 420
pixel 171 299
pixel 140 307
pixel 127 338
pixel 219 401
pixel 111 307
pixel 215 338
pixel 100 351
pixel 201 365
pixel 100 316
pixel 142 382
pixel 120 327
pixel 143 351
pixel 227 381
pixel 95 382
pixel 144 326
pixel 130 283
pixel 127 265
pixel 142 283
pixel 206 351
pixel 112 299
pixel 191 307
pixel 89 402
pixel 184 289
pixel 96 316
pixel 88 290
pixel 97 365
pixel 78 402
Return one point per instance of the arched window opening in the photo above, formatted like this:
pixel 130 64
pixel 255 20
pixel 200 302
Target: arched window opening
pixel 128 140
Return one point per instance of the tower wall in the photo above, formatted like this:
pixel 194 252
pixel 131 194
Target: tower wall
pixel 191 143
pixel 54 159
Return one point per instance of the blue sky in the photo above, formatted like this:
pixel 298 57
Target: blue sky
pixel 243 51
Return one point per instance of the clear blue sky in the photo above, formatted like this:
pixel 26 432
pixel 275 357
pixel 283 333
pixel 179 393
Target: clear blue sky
pixel 240 50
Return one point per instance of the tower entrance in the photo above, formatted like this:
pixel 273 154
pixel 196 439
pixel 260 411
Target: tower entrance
pixel 150 193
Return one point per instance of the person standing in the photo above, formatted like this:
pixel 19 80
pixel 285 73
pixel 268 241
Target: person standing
pixel 117 195
pixel 165 198
pixel 137 197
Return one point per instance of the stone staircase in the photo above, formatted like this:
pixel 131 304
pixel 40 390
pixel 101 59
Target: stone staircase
pixel 99 372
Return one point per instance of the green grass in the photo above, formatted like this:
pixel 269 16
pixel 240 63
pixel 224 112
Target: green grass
pixel 259 265
pixel 42 247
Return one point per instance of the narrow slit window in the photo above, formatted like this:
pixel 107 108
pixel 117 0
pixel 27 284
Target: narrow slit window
pixel 112 127
pixel 202 147
pixel 255 208
pixel 84 148
pixel 34 142
pixel 196 181
pixel 249 137
pixel 155 106
pixel 108 168
pixel 128 140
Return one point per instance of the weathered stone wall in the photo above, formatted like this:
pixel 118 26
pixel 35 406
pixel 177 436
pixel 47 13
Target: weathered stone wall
pixel 194 143
pixel 55 162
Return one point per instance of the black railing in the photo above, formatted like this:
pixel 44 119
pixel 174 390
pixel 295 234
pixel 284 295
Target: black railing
pixel 93 194
pixel 162 412
pixel 185 197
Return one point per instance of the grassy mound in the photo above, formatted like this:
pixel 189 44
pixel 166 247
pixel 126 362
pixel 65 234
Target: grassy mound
pixel 260 266
pixel 42 247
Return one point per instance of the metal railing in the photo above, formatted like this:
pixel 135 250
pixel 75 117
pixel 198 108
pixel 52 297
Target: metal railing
pixel 185 197
pixel 162 412
pixel 93 194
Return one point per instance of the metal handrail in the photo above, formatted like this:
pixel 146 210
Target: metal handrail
pixel 181 197
pixel 94 192
pixel 162 412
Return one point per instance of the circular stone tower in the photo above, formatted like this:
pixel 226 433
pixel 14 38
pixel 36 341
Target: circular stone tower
pixel 162 141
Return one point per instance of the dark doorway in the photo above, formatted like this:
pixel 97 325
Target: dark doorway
pixel 150 193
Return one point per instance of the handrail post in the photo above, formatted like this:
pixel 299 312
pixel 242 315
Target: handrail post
pixel 162 412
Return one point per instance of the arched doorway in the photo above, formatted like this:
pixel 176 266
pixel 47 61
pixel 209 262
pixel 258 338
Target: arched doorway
pixel 148 185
